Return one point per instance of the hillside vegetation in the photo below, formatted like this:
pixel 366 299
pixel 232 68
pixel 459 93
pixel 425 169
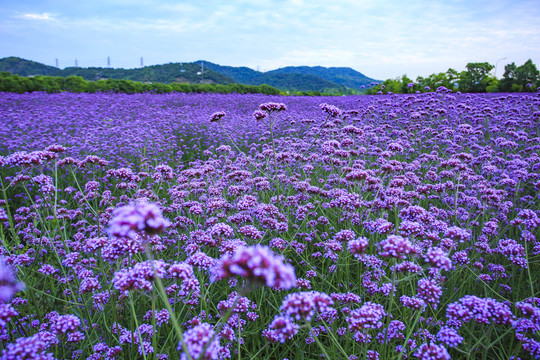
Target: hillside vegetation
pixel 292 79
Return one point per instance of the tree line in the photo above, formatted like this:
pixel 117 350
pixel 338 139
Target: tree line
pixel 51 84
pixel 477 78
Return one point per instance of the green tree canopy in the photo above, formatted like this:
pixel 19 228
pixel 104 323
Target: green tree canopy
pixel 476 78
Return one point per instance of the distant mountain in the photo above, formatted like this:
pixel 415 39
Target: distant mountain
pixel 167 73
pixel 24 67
pixel 241 74
pixel 340 75
pixel 293 78
pixel 299 82
pixel 284 81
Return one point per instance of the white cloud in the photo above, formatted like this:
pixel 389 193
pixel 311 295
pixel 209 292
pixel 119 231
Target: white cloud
pixel 43 16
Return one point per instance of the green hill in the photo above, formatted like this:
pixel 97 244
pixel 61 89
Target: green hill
pixel 24 67
pixel 301 78
pixel 166 73
pixel 284 81
pixel 340 75
pixel 240 74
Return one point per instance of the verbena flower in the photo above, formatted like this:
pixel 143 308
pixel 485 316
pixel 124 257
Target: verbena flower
pixel 217 116
pixel 429 291
pixel 432 351
pixel 412 302
pixel 242 304
pixel 449 336
pixel 282 328
pixel 481 310
pixel 394 331
pixel 306 304
pixel 7 311
pixel 140 217
pixel 66 323
pixel 397 247
pixel 196 339
pixel 271 107
pixel 141 276
pixel 358 246
pixel 258 264
pixel 259 115
pixel 29 348
pixel 9 285
pixel 369 316
pixel 331 110
pixel 438 259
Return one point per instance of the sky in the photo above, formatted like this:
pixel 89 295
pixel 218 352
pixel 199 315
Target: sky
pixel 380 38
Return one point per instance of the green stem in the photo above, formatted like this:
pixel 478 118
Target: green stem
pixel 134 314
pixel 409 333
pixel 10 219
pixel 165 298
pixel 319 344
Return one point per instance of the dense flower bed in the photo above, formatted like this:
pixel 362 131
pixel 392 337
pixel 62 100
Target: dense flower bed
pixel 249 226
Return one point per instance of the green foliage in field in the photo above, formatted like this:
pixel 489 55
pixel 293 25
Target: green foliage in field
pixel 476 79
pixel 50 84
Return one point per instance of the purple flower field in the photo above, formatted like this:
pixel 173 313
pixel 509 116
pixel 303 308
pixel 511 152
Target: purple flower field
pixel 207 226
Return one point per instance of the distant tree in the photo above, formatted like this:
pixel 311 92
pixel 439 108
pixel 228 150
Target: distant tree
pixel 75 84
pixel 520 78
pixel 10 83
pixel 269 90
pixel 493 85
pixel 509 77
pixel 527 74
pixel 476 78
pixel 452 78
pixel 405 81
pixel 438 80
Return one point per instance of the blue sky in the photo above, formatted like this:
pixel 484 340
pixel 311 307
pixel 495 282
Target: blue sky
pixel 382 38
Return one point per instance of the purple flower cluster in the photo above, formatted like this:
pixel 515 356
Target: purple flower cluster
pixel 432 351
pixel 201 342
pixel 141 276
pixel 412 302
pixel 272 106
pixel 480 310
pixel 9 285
pixel 306 304
pixel 368 316
pixel 28 348
pixel 140 217
pixel 331 110
pixel 449 336
pixel 259 115
pixel 282 328
pixel 358 246
pixel 190 287
pixel 217 116
pixel 438 258
pixel 429 291
pixel 65 324
pixel 257 264
pixel 397 247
